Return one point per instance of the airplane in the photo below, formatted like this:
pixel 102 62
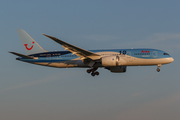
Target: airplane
pixel 114 60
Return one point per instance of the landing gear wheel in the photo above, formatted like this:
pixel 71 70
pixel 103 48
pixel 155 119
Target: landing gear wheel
pixel 93 74
pixel 93 71
pixel 97 73
pixel 158 70
pixel 88 70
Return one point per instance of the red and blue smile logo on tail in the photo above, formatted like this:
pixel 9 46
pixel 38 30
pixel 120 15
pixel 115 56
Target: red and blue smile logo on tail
pixel 30 47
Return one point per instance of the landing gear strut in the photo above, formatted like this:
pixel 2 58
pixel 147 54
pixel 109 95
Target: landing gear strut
pixel 93 71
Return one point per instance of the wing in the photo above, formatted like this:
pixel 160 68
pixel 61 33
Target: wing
pixel 83 54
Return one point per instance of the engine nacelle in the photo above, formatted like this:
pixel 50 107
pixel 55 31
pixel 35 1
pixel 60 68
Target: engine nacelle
pixel 120 69
pixel 110 61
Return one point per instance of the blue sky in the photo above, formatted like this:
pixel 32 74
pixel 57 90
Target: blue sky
pixel 42 93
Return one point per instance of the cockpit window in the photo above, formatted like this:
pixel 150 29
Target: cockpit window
pixel 166 54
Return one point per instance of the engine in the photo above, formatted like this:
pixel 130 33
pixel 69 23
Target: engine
pixel 120 69
pixel 110 61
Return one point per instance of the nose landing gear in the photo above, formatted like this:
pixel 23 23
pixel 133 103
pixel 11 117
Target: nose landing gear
pixel 93 71
pixel 158 69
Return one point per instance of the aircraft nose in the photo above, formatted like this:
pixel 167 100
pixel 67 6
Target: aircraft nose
pixel 171 59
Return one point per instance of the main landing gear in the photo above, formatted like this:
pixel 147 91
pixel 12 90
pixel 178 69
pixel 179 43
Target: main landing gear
pixel 93 71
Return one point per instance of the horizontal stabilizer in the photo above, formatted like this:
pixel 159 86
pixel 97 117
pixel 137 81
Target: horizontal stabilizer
pixel 21 55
